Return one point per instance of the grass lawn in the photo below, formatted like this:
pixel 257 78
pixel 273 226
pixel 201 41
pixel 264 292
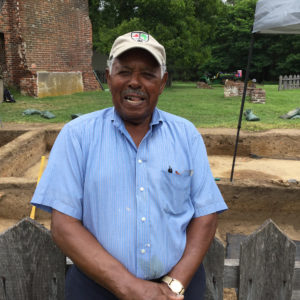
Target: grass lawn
pixel 205 108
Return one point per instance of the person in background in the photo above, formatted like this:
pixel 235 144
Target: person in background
pixel 8 97
pixel 133 200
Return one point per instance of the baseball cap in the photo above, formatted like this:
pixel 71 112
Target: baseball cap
pixel 138 39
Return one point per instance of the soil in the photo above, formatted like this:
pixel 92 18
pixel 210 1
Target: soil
pixel 248 169
pixel 245 168
pixel 278 171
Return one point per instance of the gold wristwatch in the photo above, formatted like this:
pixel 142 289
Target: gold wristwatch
pixel 174 284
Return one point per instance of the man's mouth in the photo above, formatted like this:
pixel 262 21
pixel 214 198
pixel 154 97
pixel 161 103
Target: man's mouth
pixel 134 99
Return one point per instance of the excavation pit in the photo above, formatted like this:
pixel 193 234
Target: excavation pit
pixel 266 178
pixel 9 135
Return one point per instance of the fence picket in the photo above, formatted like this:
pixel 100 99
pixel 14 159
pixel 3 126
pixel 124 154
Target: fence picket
pixel 214 269
pixel 289 82
pixel 31 266
pixel 285 82
pixel 233 242
pixel 297 82
pixel 280 87
pixel 267 260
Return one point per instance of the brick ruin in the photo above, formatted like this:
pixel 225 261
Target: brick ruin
pixel 236 88
pixel 46 46
pixel 203 85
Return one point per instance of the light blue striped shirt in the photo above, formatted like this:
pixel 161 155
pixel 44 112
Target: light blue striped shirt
pixel 137 202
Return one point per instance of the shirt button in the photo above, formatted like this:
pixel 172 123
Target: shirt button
pixel 148 245
pixel 140 161
pixel 143 219
pixel 141 189
pixel 143 251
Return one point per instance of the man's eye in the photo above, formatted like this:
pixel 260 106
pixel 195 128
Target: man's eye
pixel 148 75
pixel 124 72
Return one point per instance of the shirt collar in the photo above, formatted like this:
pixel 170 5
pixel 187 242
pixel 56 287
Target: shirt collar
pixel 156 118
pixel 116 119
pixel 118 122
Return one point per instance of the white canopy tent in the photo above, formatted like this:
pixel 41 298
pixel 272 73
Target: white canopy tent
pixel 271 17
pixel 277 16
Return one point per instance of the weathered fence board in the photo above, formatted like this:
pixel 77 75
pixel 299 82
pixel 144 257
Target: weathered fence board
pixel 231 273
pixel 214 269
pixel 296 282
pixel 296 295
pixel 267 260
pixel 231 268
pixel 31 266
pixel 233 242
pixel 289 82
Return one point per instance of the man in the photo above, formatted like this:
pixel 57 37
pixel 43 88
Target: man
pixel 132 197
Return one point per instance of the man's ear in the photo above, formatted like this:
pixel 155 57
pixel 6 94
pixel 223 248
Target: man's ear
pixel 163 82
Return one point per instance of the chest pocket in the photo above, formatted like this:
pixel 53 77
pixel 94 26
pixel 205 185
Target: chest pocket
pixel 176 191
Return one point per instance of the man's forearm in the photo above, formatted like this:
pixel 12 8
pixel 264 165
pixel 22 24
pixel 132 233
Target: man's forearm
pixel 200 233
pixel 85 251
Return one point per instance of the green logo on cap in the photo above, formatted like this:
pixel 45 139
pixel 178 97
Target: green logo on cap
pixel 140 36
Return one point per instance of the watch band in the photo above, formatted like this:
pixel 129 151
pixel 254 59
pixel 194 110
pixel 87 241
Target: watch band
pixel 174 284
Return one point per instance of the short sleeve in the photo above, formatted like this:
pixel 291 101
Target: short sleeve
pixel 205 193
pixel 61 185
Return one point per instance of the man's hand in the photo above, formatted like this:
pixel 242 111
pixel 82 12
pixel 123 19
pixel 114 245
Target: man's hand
pixel 147 290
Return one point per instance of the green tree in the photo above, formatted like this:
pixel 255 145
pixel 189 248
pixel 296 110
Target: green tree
pixel 272 54
pixel 184 27
pixel 233 33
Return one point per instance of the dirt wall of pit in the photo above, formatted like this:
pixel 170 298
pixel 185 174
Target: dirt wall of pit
pixel 21 153
pixel 22 149
pixel 280 144
pixel 252 203
pixel 15 196
pixel 256 197
pixel 252 196
pixel 9 135
pixel 267 200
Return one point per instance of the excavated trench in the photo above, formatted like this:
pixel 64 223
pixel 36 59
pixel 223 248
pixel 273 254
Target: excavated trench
pixel 266 178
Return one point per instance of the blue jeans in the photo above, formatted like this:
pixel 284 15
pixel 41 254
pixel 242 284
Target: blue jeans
pixel 81 287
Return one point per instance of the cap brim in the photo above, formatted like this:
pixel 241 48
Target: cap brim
pixel 129 46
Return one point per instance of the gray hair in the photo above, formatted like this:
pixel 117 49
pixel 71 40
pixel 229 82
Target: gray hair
pixel 110 62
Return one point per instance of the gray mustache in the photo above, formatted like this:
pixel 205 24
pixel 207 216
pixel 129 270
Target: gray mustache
pixel 134 92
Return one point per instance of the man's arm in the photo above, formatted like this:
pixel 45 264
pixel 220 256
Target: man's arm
pixel 86 252
pixel 200 233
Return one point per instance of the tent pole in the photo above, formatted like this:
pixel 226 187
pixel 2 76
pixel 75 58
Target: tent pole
pixel 242 104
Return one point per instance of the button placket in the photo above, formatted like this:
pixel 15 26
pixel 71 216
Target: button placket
pixel 142 207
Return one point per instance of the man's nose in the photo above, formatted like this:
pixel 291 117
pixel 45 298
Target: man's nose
pixel 134 81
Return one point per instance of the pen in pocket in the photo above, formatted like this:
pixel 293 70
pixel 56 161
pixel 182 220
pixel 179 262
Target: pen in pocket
pixel 190 172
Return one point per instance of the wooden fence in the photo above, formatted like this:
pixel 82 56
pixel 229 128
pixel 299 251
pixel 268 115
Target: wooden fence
pixel 289 82
pixel 262 266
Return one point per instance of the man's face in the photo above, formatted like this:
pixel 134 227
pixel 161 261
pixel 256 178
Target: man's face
pixel 135 83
